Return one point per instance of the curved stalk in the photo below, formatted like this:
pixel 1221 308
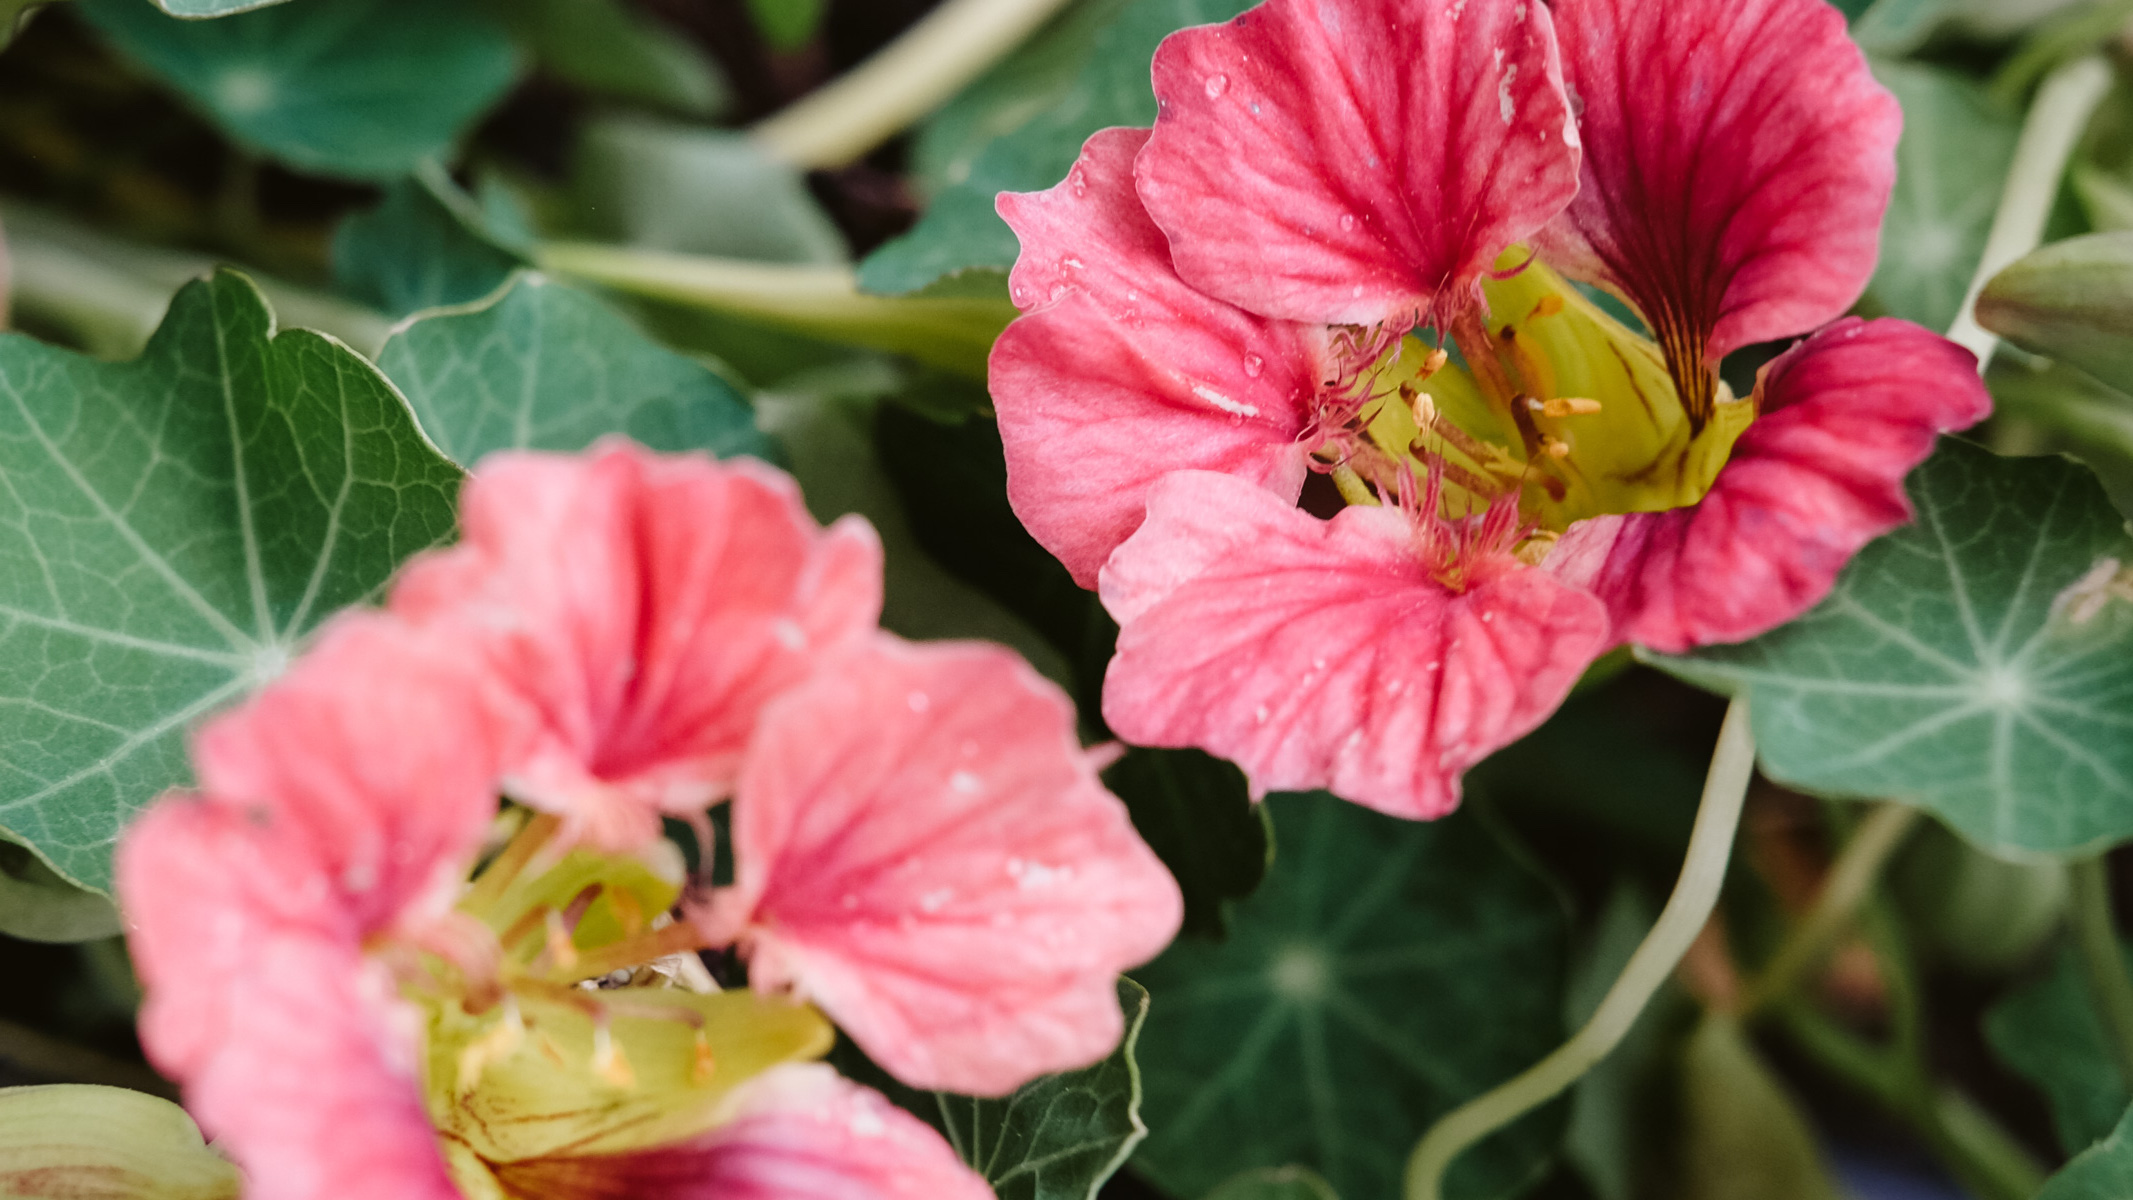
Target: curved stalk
pixel 1687 910
pixel 2103 965
pixel 836 124
pixel 2064 105
pixel 1850 881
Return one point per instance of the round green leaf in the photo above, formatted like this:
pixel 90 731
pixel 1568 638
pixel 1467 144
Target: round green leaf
pixel 1943 671
pixel 1956 148
pixel 1384 973
pixel 361 88
pixel 170 530
pixel 2048 1033
pixel 540 366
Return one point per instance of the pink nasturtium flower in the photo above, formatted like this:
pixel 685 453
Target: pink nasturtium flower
pixel 1219 307
pixel 372 985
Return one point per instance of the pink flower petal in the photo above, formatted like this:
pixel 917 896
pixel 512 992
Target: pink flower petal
pixel 1121 371
pixel 646 607
pixel 1845 416
pixel 260 1002
pixel 796 1133
pixel 1738 159
pixel 1359 163
pixel 1321 654
pixel 381 748
pixel 925 851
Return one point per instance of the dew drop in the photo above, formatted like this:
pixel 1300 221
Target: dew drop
pixel 1348 222
pixel 1216 85
pixel 1254 365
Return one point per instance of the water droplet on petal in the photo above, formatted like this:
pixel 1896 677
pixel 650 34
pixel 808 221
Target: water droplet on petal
pixel 1253 365
pixel 1348 222
pixel 1216 85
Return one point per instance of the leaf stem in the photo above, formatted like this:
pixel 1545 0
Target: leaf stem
pixel 2103 965
pixel 2064 105
pixel 1850 882
pixel 1687 911
pixel 836 124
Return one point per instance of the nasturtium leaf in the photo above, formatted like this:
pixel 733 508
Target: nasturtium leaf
pixel 171 530
pixel 960 231
pixel 1899 26
pixel 2104 1171
pixel 425 246
pixel 355 88
pixel 78 1140
pixel 1062 1136
pixel 1946 670
pixel 540 366
pixel 1196 812
pixel 1275 1183
pixel 605 46
pixel 2072 301
pixel 1385 972
pixel 1059 1137
pixel 1974 911
pixel 2072 412
pixel 1957 144
pixel 36 905
pixel 2047 1031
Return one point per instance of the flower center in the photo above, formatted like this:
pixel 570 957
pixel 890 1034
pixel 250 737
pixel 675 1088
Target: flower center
pixel 1553 402
pixel 572 1014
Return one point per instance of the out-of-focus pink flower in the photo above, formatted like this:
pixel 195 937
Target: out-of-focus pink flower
pixel 794 1133
pixel 645 608
pixel 1351 169
pixel 921 842
pixel 922 848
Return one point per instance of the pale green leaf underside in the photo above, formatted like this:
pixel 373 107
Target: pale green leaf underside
pixel 170 529
pixel 211 8
pixel 1938 674
pixel 541 366
pixel 1955 151
pixel 1062 1136
pixel 1385 972
pixel 2102 1172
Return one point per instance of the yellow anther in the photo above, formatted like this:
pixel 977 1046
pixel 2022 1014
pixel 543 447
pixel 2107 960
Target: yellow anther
pixel 1435 362
pixel 1547 306
pixel 500 1043
pixel 629 913
pixel 1555 448
pixel 560 950
pixel 1569 406
pixel 608 1061
pixel 705 1066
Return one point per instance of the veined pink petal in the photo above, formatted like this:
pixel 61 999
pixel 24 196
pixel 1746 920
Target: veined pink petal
pixel 1322 654
pixel 1738 159
pixel 646 607
pixel 1845 416
pixel 289 1045
pixel 923 849
pixel 381 748
pixel 796 1133
pixel 1358 163
pixel 1121 371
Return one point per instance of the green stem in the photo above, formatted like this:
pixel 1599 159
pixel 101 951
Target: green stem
pixel 2103 965
pixel 915 74
pixel 2064 105
pixel 1851 881
pixel 1686 913
pixel 48 1058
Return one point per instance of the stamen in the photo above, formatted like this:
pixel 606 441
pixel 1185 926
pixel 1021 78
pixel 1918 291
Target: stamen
pixel 500 1043
pixel 1550 305
pixel 560 950
pixel 1569 406
pixel 608 1060
pixel 504 869
pixel 1554 447
pixel 1435 362
pixel 705 1066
